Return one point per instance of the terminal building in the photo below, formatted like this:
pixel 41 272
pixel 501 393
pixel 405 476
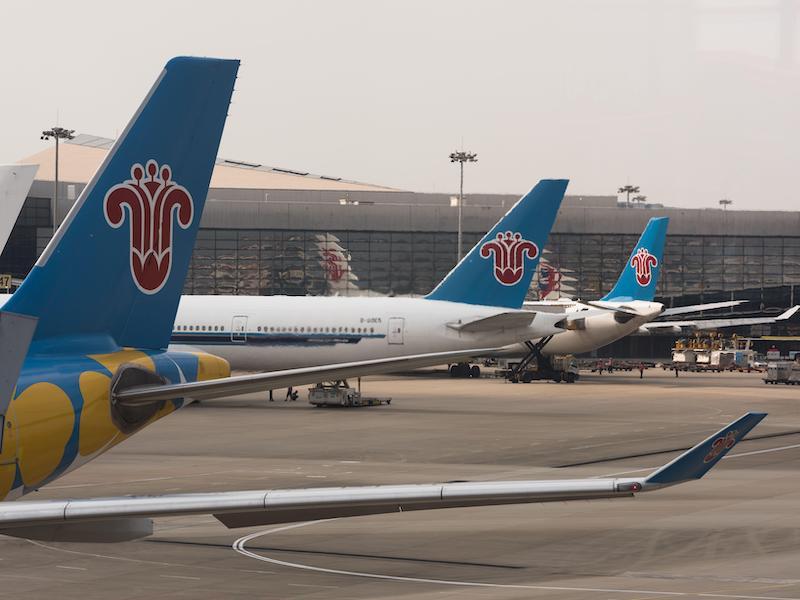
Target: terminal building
pixel 272 230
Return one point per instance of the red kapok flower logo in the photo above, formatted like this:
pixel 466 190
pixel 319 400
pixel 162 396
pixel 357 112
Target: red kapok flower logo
pixel 151 200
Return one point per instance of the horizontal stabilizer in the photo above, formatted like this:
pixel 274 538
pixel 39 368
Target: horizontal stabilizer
pixel 507 320
pixel 615 307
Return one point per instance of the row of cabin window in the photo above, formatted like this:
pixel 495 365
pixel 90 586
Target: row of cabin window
pixel 281 329
pixel 266 329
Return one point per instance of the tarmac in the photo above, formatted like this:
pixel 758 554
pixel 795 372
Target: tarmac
pixel 733 535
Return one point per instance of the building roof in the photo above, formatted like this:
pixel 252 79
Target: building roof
pixel 80 158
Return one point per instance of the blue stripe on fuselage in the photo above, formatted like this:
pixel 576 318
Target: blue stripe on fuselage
pixel 206 338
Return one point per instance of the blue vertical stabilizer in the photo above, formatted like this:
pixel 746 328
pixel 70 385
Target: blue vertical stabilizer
pixel 114 272
pixel 498 270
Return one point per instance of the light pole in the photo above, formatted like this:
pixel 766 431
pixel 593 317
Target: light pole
pixel 57 133
pixel 461 157
pixel 725 203
pixel 628 190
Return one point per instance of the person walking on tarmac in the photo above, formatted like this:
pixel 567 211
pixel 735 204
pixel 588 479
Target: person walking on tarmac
pixel 641 370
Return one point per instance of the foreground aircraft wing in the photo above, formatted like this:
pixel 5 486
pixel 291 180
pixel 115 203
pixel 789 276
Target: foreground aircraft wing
pixel 127 517
pixel 259 382
pixel 719 323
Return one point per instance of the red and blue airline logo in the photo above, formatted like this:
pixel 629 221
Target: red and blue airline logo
pixel 721 444
pixel 643 264
pixel 509 251
pixel 151 199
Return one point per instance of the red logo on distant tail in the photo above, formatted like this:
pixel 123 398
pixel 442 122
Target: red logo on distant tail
pixel 509 251
pixel 151 200
pixel 643 263
pixel 333 264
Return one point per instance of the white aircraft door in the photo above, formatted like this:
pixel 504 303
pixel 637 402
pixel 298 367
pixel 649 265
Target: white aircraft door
pixel 239 329
pixel 397 327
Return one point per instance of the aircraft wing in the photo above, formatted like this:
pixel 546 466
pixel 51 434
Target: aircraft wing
pixel 127 517
pixel 720 323
pixel 259 382
pixel 691 308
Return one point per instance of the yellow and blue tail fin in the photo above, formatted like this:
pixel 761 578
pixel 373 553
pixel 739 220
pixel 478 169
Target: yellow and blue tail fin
pixel 114 272
pixel 498 270
pixel 639 276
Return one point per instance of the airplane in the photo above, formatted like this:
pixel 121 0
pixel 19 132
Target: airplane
pixel 85 367
pixel 628 308
pixel 594 324
pixel 476 305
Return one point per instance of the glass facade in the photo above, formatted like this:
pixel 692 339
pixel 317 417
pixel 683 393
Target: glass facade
pixel 269 262
pixel 763 270
pixel 29 237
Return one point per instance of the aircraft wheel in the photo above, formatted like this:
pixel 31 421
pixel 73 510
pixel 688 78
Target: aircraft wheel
pixel 527 377
pixel 453 370
pixel 475 372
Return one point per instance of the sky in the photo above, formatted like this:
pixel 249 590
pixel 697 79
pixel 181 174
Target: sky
pixel 691 100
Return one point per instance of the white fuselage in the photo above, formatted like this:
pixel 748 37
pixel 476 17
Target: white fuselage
pixel 266 333
pixel 598 329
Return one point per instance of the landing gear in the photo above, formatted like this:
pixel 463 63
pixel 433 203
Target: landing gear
pixel 464 370
pixel 564 369
pixel 520 372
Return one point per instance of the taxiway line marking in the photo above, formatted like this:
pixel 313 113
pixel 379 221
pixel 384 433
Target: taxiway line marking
pixel 737 455
pixel 240 547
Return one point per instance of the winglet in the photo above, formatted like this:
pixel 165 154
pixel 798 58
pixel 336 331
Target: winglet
pixel 695 463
